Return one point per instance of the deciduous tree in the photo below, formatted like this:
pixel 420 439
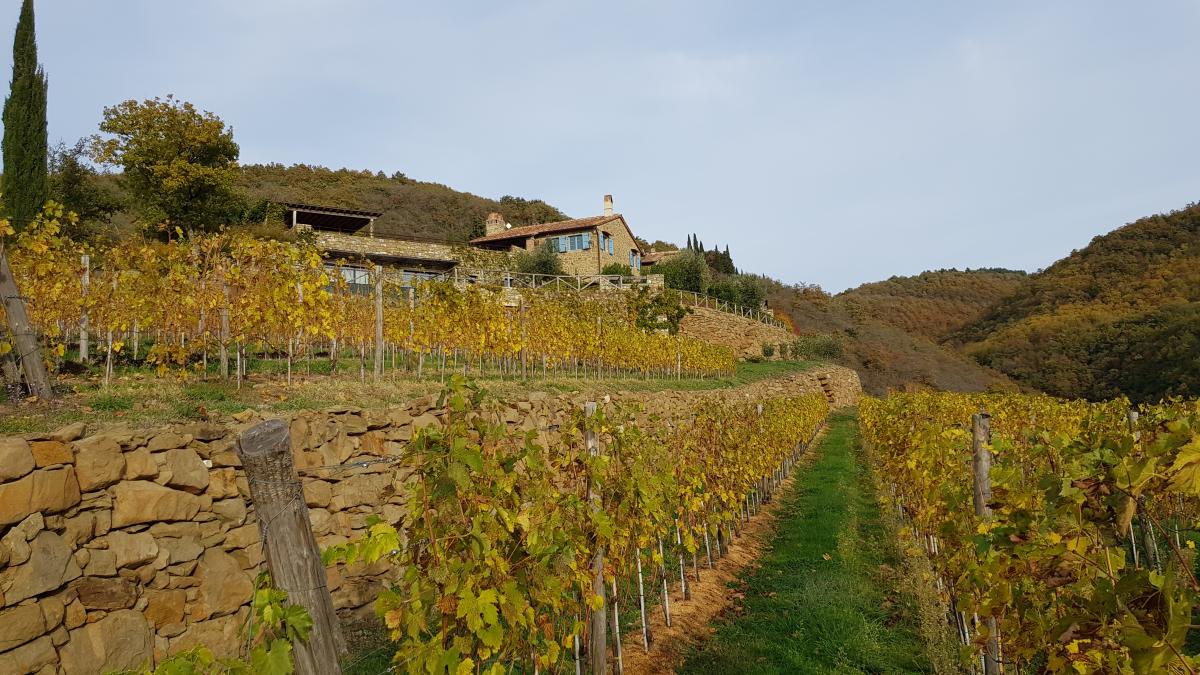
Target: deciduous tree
pixel 179 163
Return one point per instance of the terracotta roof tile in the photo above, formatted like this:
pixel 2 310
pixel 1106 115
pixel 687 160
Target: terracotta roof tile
pixel 545 228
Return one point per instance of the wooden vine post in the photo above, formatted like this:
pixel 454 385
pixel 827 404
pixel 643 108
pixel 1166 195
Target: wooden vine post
pixel 598 645
pixel 981 467
pixel 378 370
pixel 288 543
pixel 37 379
pixel 85 281
pixel 1149 541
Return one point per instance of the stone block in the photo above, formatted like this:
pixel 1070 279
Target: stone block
pixel 146 502
pixel 187 470
pixel 30 657
pixel 43 491
pixel 71 432
pixel 51 453
pixel 120 641
pixel 180 549
pixel 101 563
pixel 168 440
pixel 165 606
pixel 222 483
pixel 231 511
pixel 106 593
pixel 317 493
pixel 19 625
pixel 51 564
pixel 16 458
pixel 98 462
pixel 223 586
pixel 132 550
pixel 140 464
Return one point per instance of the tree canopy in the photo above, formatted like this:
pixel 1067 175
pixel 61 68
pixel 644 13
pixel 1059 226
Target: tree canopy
pixel 179 163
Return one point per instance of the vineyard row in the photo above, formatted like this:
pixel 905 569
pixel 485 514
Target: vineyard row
pixel 512 556
pixel 1060 533
pixel 216 296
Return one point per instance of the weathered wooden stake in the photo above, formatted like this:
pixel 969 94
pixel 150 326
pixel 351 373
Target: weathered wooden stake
pixel 642 601
pixel 37 379
pixel 981 466
pixel 288 544
pixel 598 645
pixel 225 331
pixel 378 323
pixel 85 281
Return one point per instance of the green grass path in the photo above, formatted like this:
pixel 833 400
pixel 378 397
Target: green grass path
pixel 805 614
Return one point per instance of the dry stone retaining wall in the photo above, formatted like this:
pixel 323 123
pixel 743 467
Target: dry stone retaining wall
pixel 120 548
pixel 744 335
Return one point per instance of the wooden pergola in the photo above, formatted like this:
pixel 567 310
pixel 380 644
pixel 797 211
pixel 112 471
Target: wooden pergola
pixel 329 218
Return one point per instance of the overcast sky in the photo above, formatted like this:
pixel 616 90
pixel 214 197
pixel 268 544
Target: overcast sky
pixel 831 142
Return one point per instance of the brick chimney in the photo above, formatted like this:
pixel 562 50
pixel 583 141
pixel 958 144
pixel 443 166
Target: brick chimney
pixel 608 211
pixel 495 223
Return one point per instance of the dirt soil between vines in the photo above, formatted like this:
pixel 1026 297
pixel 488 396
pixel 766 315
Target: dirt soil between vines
pixel 714 595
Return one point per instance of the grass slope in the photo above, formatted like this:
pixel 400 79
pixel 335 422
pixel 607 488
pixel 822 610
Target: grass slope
pixel 804 613
pixel 137 398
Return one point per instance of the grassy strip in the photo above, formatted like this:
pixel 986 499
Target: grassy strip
pixel 138 398
pixel 820 602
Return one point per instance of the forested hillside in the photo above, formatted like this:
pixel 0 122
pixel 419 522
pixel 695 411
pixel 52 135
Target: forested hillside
pixel 409 207
pixel 1121 316
pixel 885 355
pixel 932 304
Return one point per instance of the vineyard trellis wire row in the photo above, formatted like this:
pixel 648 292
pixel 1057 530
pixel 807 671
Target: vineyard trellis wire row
pixel 179 303
pixel 1060 532
pixel 515 555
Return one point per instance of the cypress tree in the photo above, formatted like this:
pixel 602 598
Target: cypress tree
pixel 25 185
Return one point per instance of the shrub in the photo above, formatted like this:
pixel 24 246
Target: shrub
pixel 783 350
pixel 657 311
pixel 768 350
pixel 742 289
pixel 617 268
pixel 542 260
pixel 818 346
pixel 687 271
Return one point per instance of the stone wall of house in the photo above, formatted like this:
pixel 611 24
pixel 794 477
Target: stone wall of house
pixel 594 260
pixel 745 336
pixel 125 546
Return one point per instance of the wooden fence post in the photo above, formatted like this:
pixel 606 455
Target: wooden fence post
pixel 379 321
pixel 288 543
pixel 981 466
pixel 598 645
pixel 85 281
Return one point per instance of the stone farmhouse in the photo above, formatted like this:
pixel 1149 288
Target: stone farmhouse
pixel 586 245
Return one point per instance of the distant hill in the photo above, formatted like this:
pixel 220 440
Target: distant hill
pixel 932 304
pixel 409 207
pixel 1121 316
pixel 885 355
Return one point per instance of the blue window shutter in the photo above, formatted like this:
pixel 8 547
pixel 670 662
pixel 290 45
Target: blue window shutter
pixel 562 244
pixel 610 246
pixel 587 240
